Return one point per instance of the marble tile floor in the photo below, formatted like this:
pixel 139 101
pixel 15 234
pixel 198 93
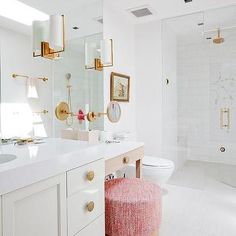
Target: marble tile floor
pixel 198 203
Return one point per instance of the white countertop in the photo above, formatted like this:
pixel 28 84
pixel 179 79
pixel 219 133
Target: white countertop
pixel 36 162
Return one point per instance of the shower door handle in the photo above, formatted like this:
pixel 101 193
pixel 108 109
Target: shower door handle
pixel 225 118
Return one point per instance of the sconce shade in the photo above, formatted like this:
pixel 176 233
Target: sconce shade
pixel 48 37
pixel 56 34
pixel 90 49
pixel 107 52
pixel 40 34
pixel 99 54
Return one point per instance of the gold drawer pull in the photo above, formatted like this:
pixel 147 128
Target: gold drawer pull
pixel 90 175
pixel 90 206
pixel 126 160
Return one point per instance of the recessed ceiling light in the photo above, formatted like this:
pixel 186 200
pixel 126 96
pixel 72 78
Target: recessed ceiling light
pixel 75 28
pixel 20 12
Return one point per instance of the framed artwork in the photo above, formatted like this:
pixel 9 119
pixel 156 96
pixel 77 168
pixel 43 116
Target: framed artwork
pixel 120 87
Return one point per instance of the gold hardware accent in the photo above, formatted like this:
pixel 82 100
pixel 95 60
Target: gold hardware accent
pixel 223 123
pixel 126 160
pixel 49 53
pixel 90 175
pixel 24 140
pixel 14 76
pixel 41 112
pixel 102 114
pixel 91 116
pixel 90 206
pixel 62 111
pixel 98 64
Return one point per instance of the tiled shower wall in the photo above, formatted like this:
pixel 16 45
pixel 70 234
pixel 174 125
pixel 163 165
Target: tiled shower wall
pixel 206 83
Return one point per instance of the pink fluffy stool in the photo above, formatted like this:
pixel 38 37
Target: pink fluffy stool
pixel 133 207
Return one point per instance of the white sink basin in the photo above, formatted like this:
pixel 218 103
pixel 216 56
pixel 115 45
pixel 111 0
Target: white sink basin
pixel 6 158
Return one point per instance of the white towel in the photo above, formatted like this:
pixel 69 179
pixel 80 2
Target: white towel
pixel 31 88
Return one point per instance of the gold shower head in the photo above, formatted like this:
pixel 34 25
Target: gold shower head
pixel 218 39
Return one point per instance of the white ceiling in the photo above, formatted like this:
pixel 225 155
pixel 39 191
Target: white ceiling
pixel 167 8
pixel 79 13
pixel 82 12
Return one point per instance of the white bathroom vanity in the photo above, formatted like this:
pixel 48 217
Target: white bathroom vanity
pixel 57 188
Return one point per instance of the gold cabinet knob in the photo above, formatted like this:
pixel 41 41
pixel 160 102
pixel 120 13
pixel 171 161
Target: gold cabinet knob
pixel 125 160
pixel 90 175
pixel 90 206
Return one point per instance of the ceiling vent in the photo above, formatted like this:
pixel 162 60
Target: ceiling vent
pixel 141 12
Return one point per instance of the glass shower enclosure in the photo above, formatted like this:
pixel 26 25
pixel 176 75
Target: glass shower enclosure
pixel 199 95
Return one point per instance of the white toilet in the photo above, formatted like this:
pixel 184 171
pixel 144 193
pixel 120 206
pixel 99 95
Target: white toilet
pixel 155 169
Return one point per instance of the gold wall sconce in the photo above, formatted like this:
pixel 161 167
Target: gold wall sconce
pixel 225 118
pixel 49 37
pixel 113 113
pixel 15 76
pixel 99 56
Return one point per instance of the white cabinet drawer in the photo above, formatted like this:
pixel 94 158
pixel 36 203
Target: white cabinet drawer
pixel 85 176
pixel 95 228
pixel 77 204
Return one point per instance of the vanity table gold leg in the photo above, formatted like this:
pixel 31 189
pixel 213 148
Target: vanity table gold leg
pixel 139 168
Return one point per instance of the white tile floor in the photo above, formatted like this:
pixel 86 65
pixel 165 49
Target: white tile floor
pixel 198 204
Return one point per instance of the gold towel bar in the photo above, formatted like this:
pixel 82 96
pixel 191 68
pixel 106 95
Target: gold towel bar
pixel 14 76
pixel 41 112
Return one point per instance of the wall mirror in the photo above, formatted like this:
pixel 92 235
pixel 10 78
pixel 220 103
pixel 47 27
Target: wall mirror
pixel 27 100
pixel 80 87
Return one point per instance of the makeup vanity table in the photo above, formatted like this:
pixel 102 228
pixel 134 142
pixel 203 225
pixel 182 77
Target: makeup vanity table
pixel 59 186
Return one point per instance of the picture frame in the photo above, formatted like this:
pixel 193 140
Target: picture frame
pixel 119 87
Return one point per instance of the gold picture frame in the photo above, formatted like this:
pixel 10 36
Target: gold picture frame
pixel 119 87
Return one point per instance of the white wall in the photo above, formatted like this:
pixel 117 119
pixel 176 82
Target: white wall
pixel 122 33
pixel 17 118
pixel 138 52
pixel 149 82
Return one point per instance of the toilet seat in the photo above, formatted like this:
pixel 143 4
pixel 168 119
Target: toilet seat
pixel 157 162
